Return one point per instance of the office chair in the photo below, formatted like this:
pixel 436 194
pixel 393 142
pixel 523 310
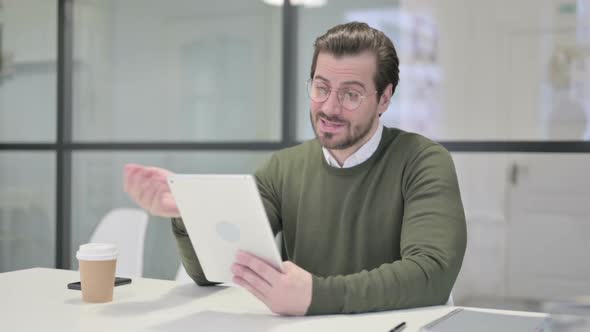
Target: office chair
pixel 125 227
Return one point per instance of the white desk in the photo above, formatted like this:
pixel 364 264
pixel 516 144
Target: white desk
pixel 37 300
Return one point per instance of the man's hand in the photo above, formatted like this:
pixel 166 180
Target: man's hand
pixel 148 187
pixel 284 293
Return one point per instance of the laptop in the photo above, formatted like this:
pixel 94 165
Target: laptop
pixel 223 214
pixel 486 321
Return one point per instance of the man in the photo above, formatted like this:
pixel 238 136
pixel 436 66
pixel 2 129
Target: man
pixel 371 216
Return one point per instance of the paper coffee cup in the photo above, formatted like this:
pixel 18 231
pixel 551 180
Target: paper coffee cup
pixel 97 262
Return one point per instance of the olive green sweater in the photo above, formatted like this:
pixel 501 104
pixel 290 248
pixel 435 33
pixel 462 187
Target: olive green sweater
pixel 386 234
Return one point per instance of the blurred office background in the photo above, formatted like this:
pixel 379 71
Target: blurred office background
pixel 216 86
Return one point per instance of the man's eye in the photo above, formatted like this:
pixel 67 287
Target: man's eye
pixel 352 95
pixel 322 89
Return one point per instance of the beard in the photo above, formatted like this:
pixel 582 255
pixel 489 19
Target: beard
pixel 352 135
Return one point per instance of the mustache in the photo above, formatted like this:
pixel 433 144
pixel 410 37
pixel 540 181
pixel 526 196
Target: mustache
pixel 333 119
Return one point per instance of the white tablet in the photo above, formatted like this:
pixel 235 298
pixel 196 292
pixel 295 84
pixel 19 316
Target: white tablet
pixel 223 214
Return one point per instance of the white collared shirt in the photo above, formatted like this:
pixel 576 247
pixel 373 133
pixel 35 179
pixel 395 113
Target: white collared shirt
pixel 362 154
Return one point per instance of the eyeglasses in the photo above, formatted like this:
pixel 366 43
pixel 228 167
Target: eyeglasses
pixel 350 99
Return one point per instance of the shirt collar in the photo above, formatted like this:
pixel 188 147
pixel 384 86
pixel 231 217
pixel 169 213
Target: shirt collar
pixel 359 156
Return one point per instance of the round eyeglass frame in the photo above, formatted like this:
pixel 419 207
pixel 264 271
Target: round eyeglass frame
pixel 309 83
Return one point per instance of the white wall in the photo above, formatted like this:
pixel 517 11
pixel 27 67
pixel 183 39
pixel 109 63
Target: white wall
pixel 527 217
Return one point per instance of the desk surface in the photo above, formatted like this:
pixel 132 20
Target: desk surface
pixel 37 300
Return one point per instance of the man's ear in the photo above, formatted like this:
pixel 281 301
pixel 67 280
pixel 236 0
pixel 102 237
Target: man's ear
pixel 385 98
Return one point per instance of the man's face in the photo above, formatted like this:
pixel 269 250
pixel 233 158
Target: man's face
pixel 335 126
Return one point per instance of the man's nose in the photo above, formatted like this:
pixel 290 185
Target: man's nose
pixel 332 104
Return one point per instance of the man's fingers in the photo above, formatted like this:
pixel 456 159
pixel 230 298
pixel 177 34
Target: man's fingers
pixel 256 281
pixel 144 187
pixel 260 267
pixel 249 288
pixel 154 175
pixel 169 206
pixel 130 172
pixel 155 191
pixel 163 201
pixel 161 178
pixel 137 182
pixel 148 187
pixel 151 198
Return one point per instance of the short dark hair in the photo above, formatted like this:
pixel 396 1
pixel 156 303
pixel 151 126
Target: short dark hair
pixel 354 38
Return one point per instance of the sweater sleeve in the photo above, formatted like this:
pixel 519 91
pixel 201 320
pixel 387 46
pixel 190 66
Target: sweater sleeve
pixel 268 182
pixel 188 257
pixel 432 246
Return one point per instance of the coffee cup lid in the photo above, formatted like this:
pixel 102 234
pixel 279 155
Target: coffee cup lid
pixel 97 251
